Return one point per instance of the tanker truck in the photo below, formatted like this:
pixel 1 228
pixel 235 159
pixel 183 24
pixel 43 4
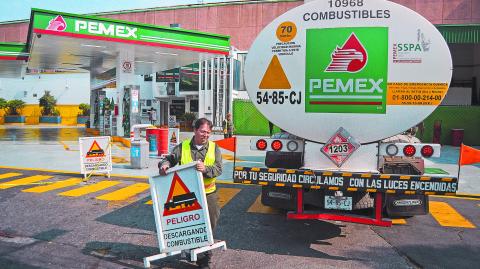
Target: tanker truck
pixel 344 80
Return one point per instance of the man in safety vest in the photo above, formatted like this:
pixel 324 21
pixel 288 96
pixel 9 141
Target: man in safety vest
pixel 209 162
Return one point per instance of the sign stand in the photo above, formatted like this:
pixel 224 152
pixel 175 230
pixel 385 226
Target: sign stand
pixel 193 253
pixel 95 156
pixel 181 214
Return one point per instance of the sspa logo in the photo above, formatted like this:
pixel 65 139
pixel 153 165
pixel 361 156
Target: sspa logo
pixel 351 57
pixel 58 24
pixel 346 70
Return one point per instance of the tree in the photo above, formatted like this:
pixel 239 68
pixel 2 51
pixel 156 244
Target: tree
pixel 13 106
pixel 47 103
pixel 3 103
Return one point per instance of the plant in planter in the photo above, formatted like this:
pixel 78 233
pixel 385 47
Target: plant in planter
pixel 188 118
pixel 84 113
pixel 3 103
pixel 49 113
pixel 12 114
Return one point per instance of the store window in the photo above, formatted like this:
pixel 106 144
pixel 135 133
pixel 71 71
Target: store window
pixel 189 78
pixel 193 105
pixel 171 75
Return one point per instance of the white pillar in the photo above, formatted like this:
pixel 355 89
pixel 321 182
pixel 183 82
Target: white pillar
pixel 125 74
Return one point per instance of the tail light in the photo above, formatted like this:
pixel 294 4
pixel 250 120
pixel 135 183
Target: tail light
pixel 261 144
pixel 427 151
pixel 276 145
pixel 409 150
pixel 392 150
pixel 292 145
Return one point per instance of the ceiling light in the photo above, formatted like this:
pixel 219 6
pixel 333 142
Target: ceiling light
pixel 145 62
pixel 92 46
pixel 166 53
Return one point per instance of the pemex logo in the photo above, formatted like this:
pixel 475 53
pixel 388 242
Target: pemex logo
pixel 346 70
pixel 351 57
pixel 58 24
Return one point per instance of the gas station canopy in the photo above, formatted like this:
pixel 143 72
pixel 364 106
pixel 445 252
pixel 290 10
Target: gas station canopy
pixel 78 43
pixel 12 59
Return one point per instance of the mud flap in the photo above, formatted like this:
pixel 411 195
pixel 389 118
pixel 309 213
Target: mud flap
pixel 279 197
pixel 401 205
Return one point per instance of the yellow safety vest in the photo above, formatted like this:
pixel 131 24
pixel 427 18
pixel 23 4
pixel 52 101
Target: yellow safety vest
pixel 208 183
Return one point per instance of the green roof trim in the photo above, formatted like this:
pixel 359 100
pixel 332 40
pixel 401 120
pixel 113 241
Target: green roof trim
pixel 91 27
pixel 138 24
pixel 460 33
pixel 10 49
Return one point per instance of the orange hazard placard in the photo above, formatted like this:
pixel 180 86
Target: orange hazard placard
pixel 412 93
pixel 95 150
pixel 274 77
pixel 179 198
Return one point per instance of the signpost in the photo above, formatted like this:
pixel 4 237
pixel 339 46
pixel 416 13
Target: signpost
pixel 181 213
pixel 95 155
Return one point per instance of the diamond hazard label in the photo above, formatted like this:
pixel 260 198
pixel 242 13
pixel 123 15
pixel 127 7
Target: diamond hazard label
pixel 340 146
pixel 95 150
pixel 274 77
pixel 180 199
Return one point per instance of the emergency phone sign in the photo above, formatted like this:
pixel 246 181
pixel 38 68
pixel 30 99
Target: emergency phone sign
pixel 180 209
pixel 359 64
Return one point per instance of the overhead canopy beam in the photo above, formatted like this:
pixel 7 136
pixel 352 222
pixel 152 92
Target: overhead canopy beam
pixel 86 43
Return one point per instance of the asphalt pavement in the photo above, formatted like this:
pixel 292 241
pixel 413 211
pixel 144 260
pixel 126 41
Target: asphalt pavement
pixel 50 218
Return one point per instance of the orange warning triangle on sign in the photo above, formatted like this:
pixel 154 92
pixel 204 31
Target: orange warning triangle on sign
pixel 174 138
pixel 179 198
pixel 95 150
pixel 274 77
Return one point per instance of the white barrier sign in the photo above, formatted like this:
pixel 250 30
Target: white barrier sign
pixel 180 209
pixel 173 137
pixel 95 154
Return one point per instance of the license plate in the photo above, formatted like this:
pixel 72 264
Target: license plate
pixel 338 202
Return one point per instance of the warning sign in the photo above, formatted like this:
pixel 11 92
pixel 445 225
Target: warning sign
pixel 180 209
pixel 424 94
pixel 286 31
pixel 173 136
pixel 95 154
pixel 180 199
pixel 418 94
pixel 95 150
pixel 275 77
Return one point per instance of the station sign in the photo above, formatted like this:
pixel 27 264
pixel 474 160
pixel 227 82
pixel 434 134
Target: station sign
pixel 373 67
pixel 95 28
pixel 180 209
pixel 95 154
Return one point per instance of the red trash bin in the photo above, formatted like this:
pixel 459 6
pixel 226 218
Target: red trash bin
pixel 457 137
pixel 152 139
pixel 162 142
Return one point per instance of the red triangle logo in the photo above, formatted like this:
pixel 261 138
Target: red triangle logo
pixel 95 150
pixel 180 199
